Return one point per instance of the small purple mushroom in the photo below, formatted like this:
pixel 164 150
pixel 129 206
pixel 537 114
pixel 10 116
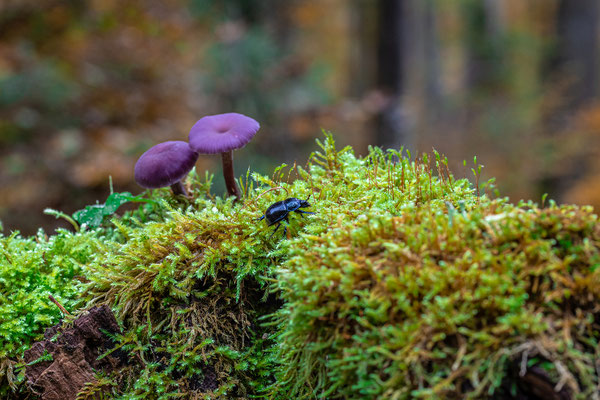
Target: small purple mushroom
pixel 223 133
pixel 165 164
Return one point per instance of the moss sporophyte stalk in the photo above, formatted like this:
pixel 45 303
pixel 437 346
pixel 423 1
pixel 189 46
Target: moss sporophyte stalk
pixel 405 284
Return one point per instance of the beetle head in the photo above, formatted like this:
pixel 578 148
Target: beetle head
pixel 305 203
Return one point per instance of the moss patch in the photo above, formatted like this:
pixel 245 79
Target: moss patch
pixel 30 270
pixel 405 284
pixel 432 292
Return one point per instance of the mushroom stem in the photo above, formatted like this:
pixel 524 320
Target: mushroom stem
pixel 232 187
pixel 178 189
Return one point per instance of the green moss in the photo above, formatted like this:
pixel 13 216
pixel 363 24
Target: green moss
pixel 188 310
pixel 30 270
pixel 404 284
pixel 398 295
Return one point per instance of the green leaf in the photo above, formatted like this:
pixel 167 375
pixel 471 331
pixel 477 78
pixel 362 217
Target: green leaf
pixel 93 215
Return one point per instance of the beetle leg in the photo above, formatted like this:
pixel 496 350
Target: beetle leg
pixel 287 221
pixel 259 219
pixel 304 212
pixel 277 227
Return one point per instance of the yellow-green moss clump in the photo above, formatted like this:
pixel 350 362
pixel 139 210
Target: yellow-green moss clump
pixel 404 284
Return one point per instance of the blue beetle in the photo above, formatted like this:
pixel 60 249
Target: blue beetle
pixel 279 211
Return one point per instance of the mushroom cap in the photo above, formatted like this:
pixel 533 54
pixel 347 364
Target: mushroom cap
pixel 164 164
pixel 222 132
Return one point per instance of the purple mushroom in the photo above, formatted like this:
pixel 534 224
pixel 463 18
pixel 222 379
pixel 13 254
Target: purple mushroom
pixel 165 164
pixel 223 133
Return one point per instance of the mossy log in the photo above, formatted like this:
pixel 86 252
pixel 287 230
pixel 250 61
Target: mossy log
pixel 407 283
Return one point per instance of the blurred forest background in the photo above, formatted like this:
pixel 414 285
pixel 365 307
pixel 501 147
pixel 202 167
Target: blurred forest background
pixel 87 86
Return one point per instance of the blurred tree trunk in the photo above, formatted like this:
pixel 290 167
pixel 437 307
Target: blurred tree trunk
pixel 363 55
pixel 578 47
pixel 575 66
pixel 391 127
pixel 408 70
